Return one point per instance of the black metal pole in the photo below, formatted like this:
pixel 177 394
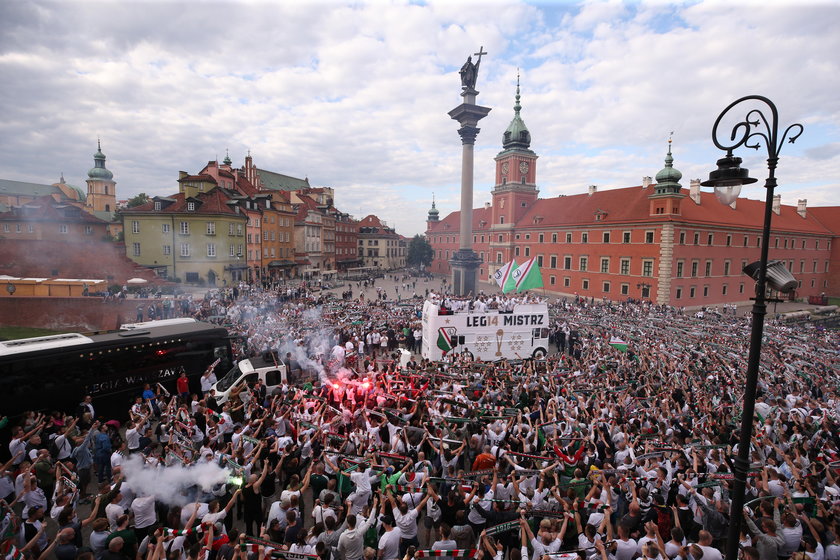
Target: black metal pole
pixel 742 461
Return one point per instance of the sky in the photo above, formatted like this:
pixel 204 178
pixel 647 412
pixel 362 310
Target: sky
pixel 355 96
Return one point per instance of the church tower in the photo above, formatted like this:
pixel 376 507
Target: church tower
pixel 516 172
pixel 667 193
pixel 434 215
pixel 101 188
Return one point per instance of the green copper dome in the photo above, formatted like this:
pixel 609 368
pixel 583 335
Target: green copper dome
pixel 668 179
pixel 99 171
pixel 434 213
pixel 517 134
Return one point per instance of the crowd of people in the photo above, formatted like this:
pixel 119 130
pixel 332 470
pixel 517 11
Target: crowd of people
pixel 593 453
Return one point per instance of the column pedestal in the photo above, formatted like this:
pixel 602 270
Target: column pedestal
pixel 465 263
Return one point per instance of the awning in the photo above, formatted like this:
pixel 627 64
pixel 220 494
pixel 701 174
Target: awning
pixel 280 264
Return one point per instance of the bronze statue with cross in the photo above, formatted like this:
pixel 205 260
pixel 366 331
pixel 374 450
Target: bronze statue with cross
pixel 469 71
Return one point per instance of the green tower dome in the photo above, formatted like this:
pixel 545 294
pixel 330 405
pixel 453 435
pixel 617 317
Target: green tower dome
pixel 99 171
pixel 668 179
pixel 434 213
pixel 516 135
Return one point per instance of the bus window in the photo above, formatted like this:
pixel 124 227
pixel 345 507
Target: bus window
pixel 251 378
pixel 544 333
pixel 273 378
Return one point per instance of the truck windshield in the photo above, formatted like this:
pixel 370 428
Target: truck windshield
pixel 228 380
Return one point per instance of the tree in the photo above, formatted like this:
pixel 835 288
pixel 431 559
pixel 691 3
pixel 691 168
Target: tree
pixel 420 253
pixel 138 200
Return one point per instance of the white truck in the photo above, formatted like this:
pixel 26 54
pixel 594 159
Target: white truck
pixel 244 372
pixel 491 335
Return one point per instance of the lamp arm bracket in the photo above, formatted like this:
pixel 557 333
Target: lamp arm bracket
pixel 754 127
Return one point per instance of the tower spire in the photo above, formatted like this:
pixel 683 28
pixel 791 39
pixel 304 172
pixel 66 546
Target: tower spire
pixel 667 180
pixel 517 135
pixel 434 213
pixel 517 107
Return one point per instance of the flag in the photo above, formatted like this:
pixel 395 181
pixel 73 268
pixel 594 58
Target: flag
pixel 444 341
pixel 618 344
pixel 502 276
pixel 527 276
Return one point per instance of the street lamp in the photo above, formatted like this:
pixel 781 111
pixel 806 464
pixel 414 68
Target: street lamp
pixel 645 288
pixel 727 180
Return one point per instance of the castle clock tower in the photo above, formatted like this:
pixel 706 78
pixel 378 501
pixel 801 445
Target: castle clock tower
pixel 516 173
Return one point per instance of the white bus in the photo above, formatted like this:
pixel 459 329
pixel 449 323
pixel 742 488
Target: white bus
pixel 522 333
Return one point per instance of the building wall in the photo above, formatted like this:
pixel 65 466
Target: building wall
pixel 662 245
pixel 82 314
pixel 52 231
pixel 157 231
pixel 346 243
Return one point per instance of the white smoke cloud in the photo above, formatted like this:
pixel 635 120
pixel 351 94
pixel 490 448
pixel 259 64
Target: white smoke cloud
pixel 169 484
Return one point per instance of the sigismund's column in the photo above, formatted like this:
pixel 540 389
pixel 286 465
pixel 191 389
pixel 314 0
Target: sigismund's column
pixel 465 261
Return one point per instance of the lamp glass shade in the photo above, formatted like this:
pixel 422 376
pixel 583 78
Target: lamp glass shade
pixel 778 277
pixel 727 194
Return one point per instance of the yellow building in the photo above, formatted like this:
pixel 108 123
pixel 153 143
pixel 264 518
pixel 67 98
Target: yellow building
pixel 196 236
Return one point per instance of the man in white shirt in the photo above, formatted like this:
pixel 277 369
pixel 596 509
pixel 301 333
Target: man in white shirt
pixel 143 508
pixel 389 542
pixel 208 379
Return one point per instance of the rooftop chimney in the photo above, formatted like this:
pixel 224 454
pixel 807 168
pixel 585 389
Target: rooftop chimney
pixel 646 182
pixel 694 190
pixel 777 204
pixel 593 189
pixel 801 206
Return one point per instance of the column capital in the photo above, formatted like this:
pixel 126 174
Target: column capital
pixel 468 134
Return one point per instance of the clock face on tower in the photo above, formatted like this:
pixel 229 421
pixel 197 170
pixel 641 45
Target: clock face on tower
pixel 505 167
pixel 523 167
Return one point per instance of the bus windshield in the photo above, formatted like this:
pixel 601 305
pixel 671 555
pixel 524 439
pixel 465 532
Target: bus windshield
pixel 228 380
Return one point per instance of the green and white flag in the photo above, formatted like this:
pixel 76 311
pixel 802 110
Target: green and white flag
pixel 503 276
pixel 618 344
pixel 445 336
pixel 527 276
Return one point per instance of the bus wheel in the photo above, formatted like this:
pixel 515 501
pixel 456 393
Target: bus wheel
pixel 539 354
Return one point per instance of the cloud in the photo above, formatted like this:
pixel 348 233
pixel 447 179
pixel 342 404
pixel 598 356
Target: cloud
pixel 355 96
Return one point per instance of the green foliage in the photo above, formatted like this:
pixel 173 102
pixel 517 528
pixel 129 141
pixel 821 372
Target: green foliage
pixel 138 200
pixel 420 252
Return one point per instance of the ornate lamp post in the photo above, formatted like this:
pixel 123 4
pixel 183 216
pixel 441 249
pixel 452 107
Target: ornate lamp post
pixel 727 180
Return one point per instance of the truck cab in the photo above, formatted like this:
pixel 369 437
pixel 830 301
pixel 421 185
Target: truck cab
pixel 247 373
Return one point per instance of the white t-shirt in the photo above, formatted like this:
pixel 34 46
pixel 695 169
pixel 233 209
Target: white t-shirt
pixel 321 513
pixel 132 438
pixel 485 503
pixel 389 544
pixel 112 512
pixel 710 553
pixel 541 548
pixel 407 523
pixel 626 550
pixel 144 511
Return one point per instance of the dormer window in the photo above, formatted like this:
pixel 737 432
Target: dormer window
pixel 190 206
pixel 157 206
